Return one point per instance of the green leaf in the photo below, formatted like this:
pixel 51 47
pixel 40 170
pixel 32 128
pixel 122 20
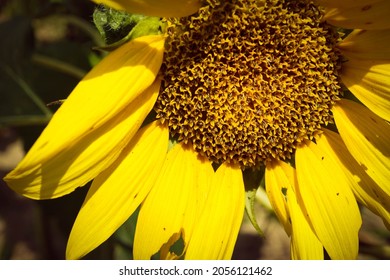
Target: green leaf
pixel 118 27
pixel 17 41
pixel 19 105
pixel 253 180
pixel 33 76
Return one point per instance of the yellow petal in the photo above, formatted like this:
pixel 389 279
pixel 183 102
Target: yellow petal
pixel 79 163
pixel 368 15
pixel 367 138
pixel 328 201
pixel 366 44
pixel 304 243
pixel 280 184
pixel 117 192
pixel 344 3
pixel 162 8
pixel 369 81
pixel 278 178
pixel 217 228
pixel 104 92
pixel 169 204
pixel 365 189
pixel 204 175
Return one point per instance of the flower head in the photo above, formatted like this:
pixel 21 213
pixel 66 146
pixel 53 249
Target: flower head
pixel 242 84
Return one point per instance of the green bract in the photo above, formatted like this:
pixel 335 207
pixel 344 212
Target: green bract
pixel 118 27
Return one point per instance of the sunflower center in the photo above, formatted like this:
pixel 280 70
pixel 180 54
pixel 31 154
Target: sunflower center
pixel 246 81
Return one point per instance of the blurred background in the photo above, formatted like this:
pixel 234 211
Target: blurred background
pixel 46 47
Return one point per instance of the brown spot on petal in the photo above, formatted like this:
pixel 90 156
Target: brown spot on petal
pixel 366 8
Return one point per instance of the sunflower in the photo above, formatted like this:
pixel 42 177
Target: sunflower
pixel 269 86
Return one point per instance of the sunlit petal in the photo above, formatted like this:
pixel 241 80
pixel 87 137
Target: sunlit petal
pixel 369 81
pixel 366 190
pixel 280 182
pixel 116 193
pixel 369 15
pixel 304 243
pixel 78 164
pixel 216 230
pixel 117 82
pixel 278 178
pixel 366 44
pixel 344 3
pixel 328 200
pixel 367 138
pixel 162 8
pixel 169 204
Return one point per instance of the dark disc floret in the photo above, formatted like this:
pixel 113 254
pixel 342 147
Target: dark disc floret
pixel 247 81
